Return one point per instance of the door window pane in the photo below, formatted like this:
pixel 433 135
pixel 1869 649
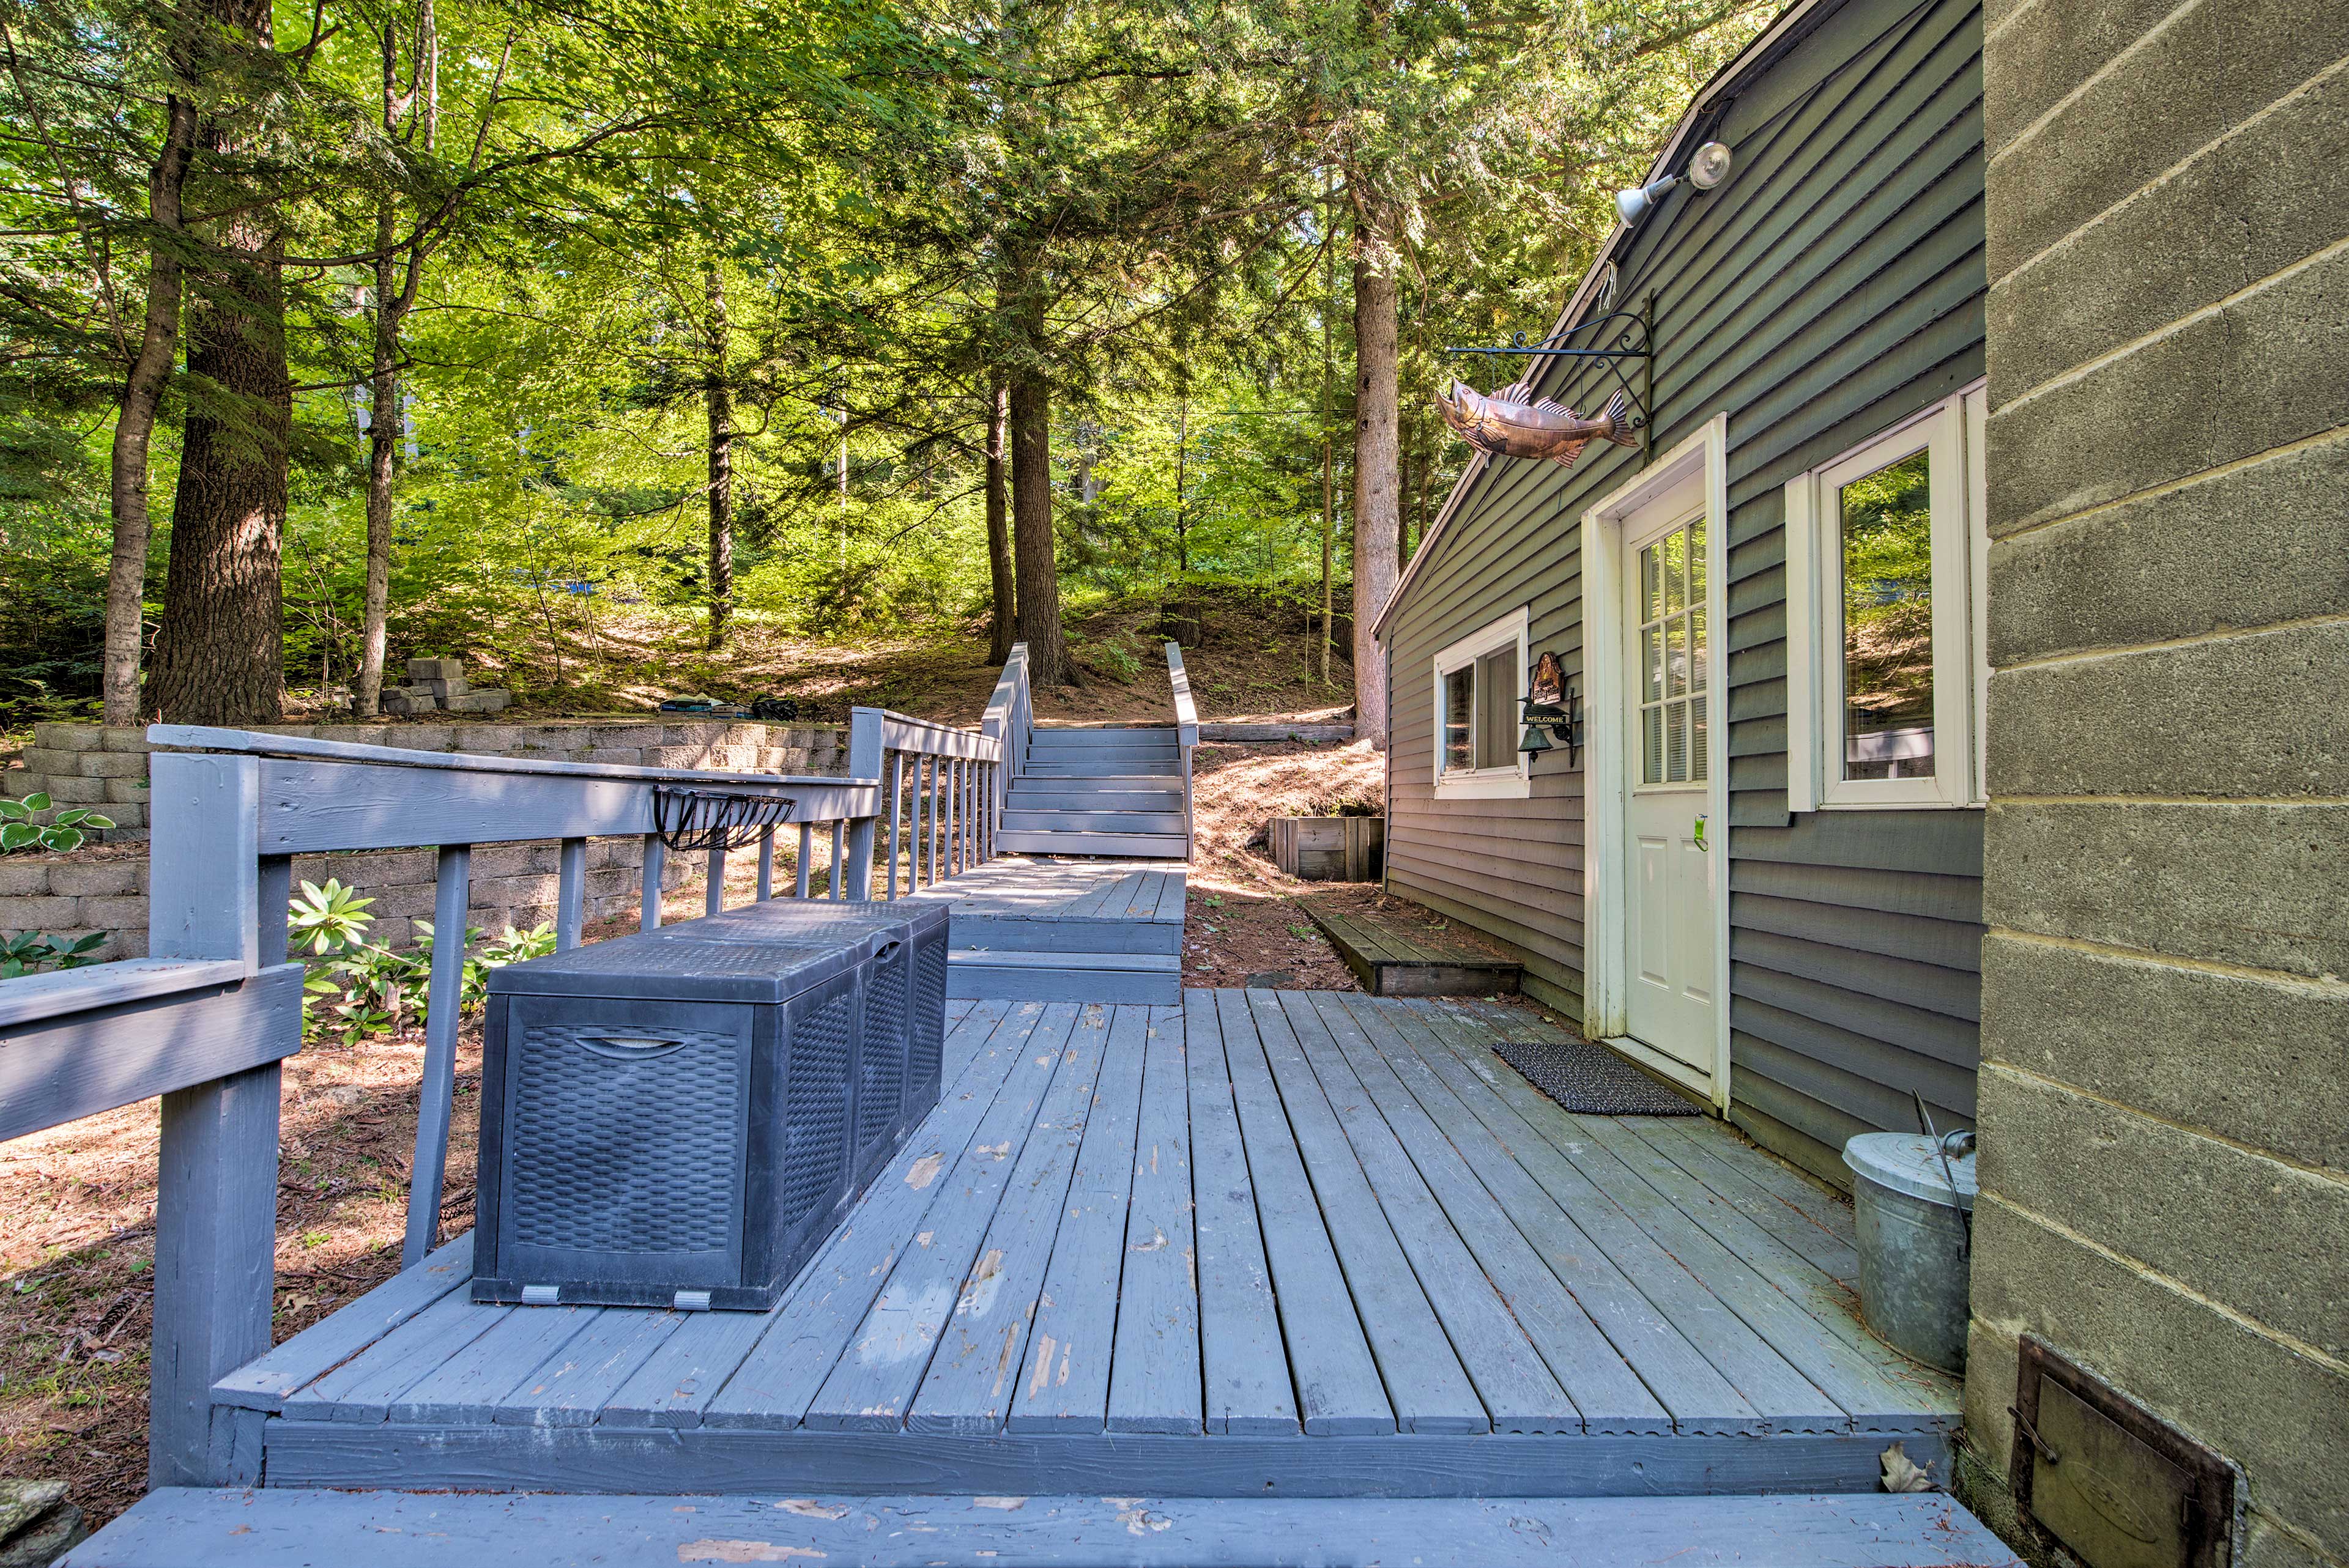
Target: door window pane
pixel 1673 648
pixel 1887 528
pixel 1459 708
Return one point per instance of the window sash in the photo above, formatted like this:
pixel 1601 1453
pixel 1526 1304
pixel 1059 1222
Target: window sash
pixel 1816 742
pixel 1477 680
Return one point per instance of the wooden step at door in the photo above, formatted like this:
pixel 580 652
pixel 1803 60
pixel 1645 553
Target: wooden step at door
pixel 296 1528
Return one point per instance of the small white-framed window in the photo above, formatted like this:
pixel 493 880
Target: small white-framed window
pixel 1885 676
pixel 1478 681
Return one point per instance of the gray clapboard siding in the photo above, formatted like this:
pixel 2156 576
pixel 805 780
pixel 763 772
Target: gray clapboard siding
pixel 1831 286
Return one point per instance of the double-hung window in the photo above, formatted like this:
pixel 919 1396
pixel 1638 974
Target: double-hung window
pixel 1885 566
pixel 1478 681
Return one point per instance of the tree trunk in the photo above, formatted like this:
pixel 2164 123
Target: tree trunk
pixel 219 658
pixel 1329 435
pixel 383 460
pixel 134 427
pixel 1039 584
pixel 1003 607
pixel 386 422
pixel 1378 512
pixel 722 465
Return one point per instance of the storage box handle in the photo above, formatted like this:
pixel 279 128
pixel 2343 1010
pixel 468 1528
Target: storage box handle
pixel 887 950
pixel 631 1048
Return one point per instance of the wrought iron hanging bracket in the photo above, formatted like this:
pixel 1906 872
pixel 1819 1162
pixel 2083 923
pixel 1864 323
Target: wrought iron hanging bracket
pixel 1618 340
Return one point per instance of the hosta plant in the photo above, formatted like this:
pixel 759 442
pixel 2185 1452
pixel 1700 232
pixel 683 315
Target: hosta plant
pixel 21 828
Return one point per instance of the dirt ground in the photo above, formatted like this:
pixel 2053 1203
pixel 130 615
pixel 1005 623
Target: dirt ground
pixel 1257 657
pixel 77 1255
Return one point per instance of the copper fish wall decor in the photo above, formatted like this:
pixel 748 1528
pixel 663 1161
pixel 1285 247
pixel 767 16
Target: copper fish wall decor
pixel 1508 427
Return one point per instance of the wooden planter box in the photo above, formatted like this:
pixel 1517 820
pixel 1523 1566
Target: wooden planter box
pixel 1330 849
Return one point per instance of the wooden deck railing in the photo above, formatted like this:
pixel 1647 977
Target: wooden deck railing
pixel 1186 734
pixel 206 1019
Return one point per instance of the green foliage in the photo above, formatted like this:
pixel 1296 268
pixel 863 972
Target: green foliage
pixel 31 952
pixel 21 829
pixel 366 988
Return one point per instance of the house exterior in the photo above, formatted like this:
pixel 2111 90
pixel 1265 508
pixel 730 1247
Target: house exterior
pixel 1760 874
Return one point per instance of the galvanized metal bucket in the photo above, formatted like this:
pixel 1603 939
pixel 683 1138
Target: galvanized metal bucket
pixel 1913 1199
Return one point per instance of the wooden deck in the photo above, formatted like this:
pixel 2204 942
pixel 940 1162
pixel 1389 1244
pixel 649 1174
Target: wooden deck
pixel 1048 929
pixel 1395 958
pixel 1262 1243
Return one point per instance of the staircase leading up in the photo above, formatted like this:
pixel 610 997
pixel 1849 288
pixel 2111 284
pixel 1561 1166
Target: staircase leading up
pixel 1113 791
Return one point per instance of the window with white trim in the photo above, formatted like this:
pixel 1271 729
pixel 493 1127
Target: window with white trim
pixel 1478 681
pixel 1885 649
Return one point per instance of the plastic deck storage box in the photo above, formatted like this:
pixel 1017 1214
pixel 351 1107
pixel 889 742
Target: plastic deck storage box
pixel 904 1001
pixel 667 1122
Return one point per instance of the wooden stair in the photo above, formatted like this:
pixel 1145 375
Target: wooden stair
pixel 1114 790
pixel 294 1528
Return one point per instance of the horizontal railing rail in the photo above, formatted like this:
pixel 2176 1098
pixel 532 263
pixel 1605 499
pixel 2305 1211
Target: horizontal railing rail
pixel 206 1021
pixel 1186 733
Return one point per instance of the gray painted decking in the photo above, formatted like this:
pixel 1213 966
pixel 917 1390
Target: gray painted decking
pixel 1042 929
pixel 1262 1243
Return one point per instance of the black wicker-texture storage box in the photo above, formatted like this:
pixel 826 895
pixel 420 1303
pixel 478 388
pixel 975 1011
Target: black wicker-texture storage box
pixel 667 1122
pixel 904 1001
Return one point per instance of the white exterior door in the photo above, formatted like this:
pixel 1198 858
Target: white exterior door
pixel 1674 866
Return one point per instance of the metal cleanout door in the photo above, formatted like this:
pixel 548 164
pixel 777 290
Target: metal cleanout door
pixel 1670 911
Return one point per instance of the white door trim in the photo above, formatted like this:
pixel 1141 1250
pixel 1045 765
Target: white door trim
pixel 1606 860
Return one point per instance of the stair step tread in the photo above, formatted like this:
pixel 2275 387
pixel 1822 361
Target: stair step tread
pixel 279 1527
pixel 1015 958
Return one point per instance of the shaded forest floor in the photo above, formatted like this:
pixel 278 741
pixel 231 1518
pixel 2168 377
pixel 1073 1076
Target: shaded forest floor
pixel 1257 657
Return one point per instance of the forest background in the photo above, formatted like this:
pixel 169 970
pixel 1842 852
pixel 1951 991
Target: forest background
pixel 339 331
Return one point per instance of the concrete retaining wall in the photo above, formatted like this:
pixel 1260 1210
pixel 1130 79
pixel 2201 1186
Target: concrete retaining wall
pixel 2165 1077
pixel 104 890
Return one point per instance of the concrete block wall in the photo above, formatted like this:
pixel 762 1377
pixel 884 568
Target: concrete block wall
pixel 104 890
pixel 2165 1077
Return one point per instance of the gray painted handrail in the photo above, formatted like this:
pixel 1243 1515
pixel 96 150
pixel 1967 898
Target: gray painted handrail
pixel 1186 729
pixel 31 999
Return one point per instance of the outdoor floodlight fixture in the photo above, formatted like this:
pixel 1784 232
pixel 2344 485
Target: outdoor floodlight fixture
pixel 1710 166
pixel 1706 168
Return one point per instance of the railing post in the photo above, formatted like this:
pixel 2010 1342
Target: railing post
pixel 212 895
pixel 451 899
pixel 928 846
pixel 570 895
pixel 866 758
pixel 766 863
pixel 713 896
pixel 807 854
pixel 896 791
pixel 648 904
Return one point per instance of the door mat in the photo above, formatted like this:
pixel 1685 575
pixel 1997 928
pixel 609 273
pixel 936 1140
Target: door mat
pixel 1590 1079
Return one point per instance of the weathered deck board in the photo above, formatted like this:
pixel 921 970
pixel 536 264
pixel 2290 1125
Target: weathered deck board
pixel 1876 1394
pixel 1155 1378
pixel 262 1385
pixel 1781 1396
pixel 874 1382
pixel 1610 1395
pixel 1837 1258
pixel 1278 1221
pixel 1431 1390
pixel 573 1386
pixel 1243 1371
pixel 974 1368
pixel 1338 1384
pixel 175 1528
pixel 1519 1365
pixel 1064 1383
pixel 179 1529
pixel 781 1374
